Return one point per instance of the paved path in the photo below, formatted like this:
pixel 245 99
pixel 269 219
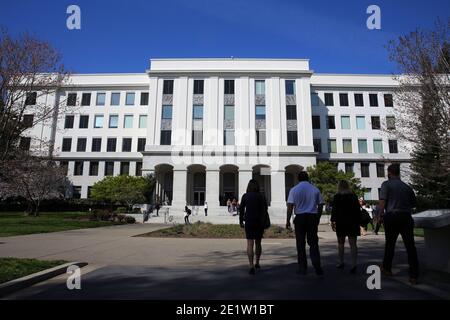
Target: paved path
pixel 122 266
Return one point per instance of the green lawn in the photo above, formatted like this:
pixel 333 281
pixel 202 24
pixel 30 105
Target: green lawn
pixel 13 268
pixel 17 223
pixel 418 232
pixel 208 230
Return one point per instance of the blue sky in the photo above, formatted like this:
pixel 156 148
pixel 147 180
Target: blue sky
pixel 120 36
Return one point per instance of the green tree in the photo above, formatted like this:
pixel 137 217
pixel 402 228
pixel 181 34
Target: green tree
pixel 325 176
pixel 123 189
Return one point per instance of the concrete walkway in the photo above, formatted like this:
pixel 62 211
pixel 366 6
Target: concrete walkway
pixel 122 266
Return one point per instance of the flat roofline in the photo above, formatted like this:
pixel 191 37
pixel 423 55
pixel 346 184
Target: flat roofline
pixel 226 59
pixel 109 74
pixel 357 74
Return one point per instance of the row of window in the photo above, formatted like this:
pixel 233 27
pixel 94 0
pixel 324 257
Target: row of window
pixel 96 144
pixel 348 148
pixel 349 167
pixel 100 99
pixel 113 122
pixel 360 121
pixel 358 99
pixel 108 169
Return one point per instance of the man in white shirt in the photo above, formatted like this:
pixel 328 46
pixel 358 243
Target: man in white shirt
pixel 206 209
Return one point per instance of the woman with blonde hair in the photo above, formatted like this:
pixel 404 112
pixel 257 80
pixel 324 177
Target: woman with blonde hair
pixel 345 219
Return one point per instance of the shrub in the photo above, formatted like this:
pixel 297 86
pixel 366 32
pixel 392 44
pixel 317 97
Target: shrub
pixel 121 210
pixel 129 219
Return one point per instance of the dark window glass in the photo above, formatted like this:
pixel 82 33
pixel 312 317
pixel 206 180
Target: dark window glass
pixel 144 98
pixel 376 125
pixel 349 167
pixel 329 99
pixel 65 166
pixel 30 98
pixel 168 87
pixel 373 99
pixel 141 144
pixel 359 100
pixel 197 137
pixel 124 168
pixel 66 144
pixel 260 137
pixel 316 122
pixel 84 122
pixel 393 147
pixel 198 86
pixel 343 99
pixel 93 168
pixel 388 101
pixel 109 168
pixel 260 112
pixel 81 144
pixel 76 192
pixel 229 86
pixel 290 87
pixel 165 137
pixel 292 138
pixel 86 99
pixel 138 169
pixel 291 112
pixel 25 143
pixel 126 145
pixel 380 170
pixel 111 145
pixel 28 120
pixel 78 171
pixel 317 145
pixel 68 122
pixel 330 122
pixel 167 112
pixel 365 172
pixel 96 144
pixel 72 99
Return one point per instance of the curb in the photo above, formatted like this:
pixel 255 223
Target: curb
pixel 27 281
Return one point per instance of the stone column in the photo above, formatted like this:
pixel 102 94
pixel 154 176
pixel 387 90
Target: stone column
pixel 212 187
pixel 244 177
pixel 277 191
pixel 179 188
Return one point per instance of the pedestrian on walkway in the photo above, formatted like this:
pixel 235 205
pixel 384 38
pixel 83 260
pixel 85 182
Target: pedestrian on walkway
pixel 206 208
pixel 307 203
pixel 377 219
pixel 397 201
pixel 252 211
pixel 157 207
pixel 345 219
pixel 186 215
pixel 229 205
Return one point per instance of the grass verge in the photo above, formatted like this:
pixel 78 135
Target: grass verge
pixel 14 268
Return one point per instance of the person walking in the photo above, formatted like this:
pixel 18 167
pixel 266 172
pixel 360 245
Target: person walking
pixel 157 207
pixel 307 203
pixel 397 201
pixel 377 219
pixel 187 214
pixel 252 212
pixel 229 205
pixel 345 219
pixel 206 208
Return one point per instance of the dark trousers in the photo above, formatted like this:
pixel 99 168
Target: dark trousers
pixel 206 212
pixel 306 228
pixel 403 224
pixel 377 226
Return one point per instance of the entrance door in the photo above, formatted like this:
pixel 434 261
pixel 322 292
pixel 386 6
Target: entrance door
pixel 199 198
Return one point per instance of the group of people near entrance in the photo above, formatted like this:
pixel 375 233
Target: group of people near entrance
pixel 305 201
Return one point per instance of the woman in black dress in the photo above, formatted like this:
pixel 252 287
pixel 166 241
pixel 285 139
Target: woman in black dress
pixel 345 219
pixel 252 210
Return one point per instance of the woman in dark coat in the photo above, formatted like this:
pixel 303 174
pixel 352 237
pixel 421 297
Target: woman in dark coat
pixel 252 210
pixel 345 219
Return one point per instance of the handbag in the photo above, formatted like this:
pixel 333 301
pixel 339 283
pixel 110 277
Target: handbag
pixel 266 221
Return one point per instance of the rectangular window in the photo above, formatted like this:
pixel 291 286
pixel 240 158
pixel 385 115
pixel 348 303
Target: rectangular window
pixel 115 98
pixel 349 167
pixel 228 137
pixel 290 87
pixel 317 145
pixel 96 144
pixel 197 112
pixel 197 137
pixel 86 99
pixel 126 145
pixel 128 121
pixel 25 143
pixel 109 168
pixel 359 100
pixel 84 122
pixel 315 101
pixel 393 147
pixel 261 112
pixel 229 86
pixel 168 87
pixel 343 99
pixel 68 122
pixel 28 119
pixel 81 144
pixel 376 125
pixel 390 123
pixel 65 166
pixel 71 99
pixel 30 99
pixel 260 137
pixel 329 99
pixel 260 87
pixel 365 170
pixel 360 122
pixel 78 171
pixel 66 145
pixel 129 99
pixel 332 146
pixel 144 98
pixel 141 144
pixel 143 121
pixel 362 145
pixel 388 101
pixel 291 112
pixel 380 170
pixel 347 145
pixel 316 122
pixel 345 122
pixel 76 192
pixel 166 136
pixel 124 168
pixel 373 99
pixel 368 194
pixel 378 146
pixel 93 168
pixel 101 96
pixel 167 112
pixel 198 86
pixel 111 144
pixel 114 121
pixel 292 138
pixel 98 121
pixel 330 122
pixel 138 169
pixel 229 113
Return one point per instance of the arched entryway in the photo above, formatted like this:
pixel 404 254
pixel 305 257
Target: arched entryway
pixel 229 183
pixel 262 174
pixel 164 184
pixel 290 177
pixel 196 185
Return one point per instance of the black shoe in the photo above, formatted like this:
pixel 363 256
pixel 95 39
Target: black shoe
pixel 353 270
pixel 257 266
pixel 251 271
pixel 340 265
pixel 319 272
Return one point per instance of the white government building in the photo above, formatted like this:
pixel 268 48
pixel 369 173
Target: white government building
pixel 205 127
